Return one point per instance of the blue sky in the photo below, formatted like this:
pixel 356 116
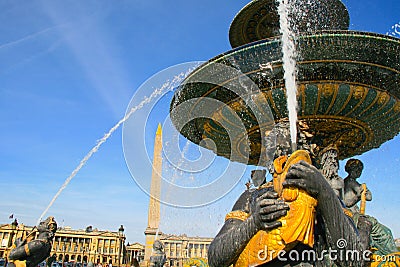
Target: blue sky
pixel 68 70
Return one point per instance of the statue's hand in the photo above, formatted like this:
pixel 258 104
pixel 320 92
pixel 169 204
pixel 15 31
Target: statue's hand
pixel 267 209
pixel 358 190
pixel 305 176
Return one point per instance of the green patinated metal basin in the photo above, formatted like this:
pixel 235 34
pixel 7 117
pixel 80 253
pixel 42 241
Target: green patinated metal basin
pixel 348 94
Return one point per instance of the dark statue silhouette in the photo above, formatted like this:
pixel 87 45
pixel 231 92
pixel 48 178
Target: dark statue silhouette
pixel 158 258
pixel 31 251
pixel 260 209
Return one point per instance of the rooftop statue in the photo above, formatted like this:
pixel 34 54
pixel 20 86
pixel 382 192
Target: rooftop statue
pixel 32 251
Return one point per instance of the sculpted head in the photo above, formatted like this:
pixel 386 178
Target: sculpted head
pixel 329 162
pixel 278 143
pixel 48 225
pixel 354 167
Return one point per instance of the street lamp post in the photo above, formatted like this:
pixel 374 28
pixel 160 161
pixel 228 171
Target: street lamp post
pixel 64 248
pixel 120 237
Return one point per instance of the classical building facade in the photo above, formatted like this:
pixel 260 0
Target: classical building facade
pixel 90 245
pixel 179 249
pixel 93 245
pixel 134 253
pixel 9 233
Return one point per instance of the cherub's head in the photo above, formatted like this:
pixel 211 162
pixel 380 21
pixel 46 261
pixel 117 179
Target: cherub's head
pixel 354 167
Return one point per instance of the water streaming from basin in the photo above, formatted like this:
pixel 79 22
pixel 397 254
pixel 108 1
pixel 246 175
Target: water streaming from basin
pixel 168 85
pixel 177 173
pixel 289 66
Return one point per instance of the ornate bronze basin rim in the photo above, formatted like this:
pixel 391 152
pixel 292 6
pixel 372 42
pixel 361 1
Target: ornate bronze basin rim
pixel 349 92
pixel 259 19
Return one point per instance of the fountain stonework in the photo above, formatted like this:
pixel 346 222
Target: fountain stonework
pixel 348 96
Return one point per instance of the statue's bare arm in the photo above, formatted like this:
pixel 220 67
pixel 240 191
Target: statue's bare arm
pixel 264 212
pixel 337 225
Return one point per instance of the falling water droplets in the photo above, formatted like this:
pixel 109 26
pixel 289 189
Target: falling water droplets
pixel 169 85
pixel 394 30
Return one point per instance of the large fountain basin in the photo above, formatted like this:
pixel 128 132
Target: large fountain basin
pixel 348 93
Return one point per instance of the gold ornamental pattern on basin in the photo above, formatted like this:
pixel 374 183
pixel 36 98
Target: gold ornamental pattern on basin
pixel 347 94
pixel 297 225
pixel 260 20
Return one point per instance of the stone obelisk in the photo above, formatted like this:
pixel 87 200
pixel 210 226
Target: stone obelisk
pixel 155 191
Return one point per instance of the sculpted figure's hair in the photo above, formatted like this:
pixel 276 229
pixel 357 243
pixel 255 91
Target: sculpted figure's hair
pixel 353 164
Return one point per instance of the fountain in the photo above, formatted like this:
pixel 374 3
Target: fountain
pixel 348 97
